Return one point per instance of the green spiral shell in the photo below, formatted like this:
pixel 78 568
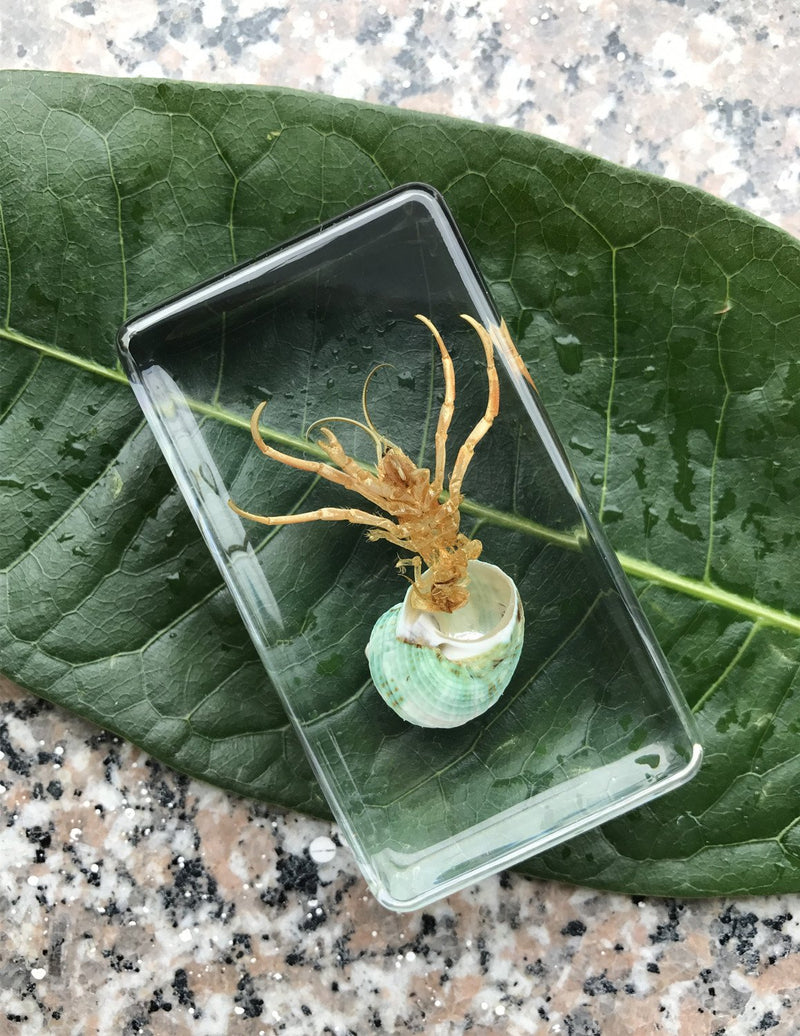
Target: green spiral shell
pixel 430 690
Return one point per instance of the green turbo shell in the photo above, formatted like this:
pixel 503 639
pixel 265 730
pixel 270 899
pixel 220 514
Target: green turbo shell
pixel 408 653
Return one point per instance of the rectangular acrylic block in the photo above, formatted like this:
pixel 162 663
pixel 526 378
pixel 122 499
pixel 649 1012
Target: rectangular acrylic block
pixel 591 723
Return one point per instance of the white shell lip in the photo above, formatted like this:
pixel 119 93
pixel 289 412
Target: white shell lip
pixel 488 618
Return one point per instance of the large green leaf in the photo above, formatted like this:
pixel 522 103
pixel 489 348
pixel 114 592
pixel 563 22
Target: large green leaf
pixel 661 325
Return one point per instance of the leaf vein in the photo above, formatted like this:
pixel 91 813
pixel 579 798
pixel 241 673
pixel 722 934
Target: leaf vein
pixel 709 693
pixel 612 383
pixel 7 250
pixel 712 484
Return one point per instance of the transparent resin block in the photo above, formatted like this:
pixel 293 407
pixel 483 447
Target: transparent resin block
pixel 591 723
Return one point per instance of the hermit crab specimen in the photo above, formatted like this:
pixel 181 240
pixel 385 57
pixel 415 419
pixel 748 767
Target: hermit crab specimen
pixel 446 652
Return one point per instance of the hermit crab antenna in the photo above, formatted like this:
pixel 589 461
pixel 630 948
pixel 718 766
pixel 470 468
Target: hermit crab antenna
pixel 315 466
pixel 385 443
pixel 448 406
pixel 492 407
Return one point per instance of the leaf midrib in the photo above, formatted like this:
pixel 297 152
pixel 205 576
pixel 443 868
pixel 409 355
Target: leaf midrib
pixel 699 589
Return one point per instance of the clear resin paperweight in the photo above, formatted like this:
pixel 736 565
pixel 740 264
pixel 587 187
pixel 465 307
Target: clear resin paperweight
pixel 372 468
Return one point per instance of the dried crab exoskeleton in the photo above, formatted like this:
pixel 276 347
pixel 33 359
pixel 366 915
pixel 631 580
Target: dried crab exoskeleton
pixel 467 614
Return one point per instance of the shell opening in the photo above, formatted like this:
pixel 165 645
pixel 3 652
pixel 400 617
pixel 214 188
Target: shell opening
pixel 487 618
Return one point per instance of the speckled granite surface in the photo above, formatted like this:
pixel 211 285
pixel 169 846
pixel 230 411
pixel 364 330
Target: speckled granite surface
pixel 698 90
pixel 137 901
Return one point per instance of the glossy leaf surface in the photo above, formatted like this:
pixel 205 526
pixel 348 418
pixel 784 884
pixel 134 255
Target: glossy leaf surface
pixel 660 324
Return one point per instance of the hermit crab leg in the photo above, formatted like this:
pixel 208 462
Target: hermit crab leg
pixel 316 467
pixel 414 563
pixel 353 476
pixel 448 406
pixel 322 514
pixel 482 427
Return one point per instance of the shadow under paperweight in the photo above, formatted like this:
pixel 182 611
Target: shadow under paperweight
pixel 448 629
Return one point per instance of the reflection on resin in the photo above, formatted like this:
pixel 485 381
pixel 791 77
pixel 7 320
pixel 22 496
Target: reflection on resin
pixel 448 651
